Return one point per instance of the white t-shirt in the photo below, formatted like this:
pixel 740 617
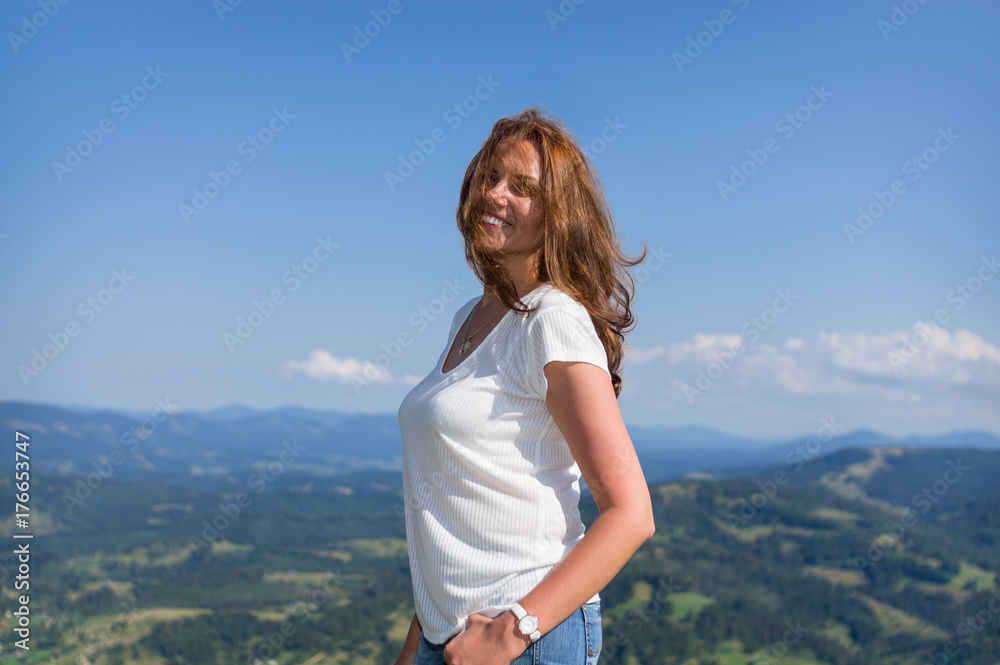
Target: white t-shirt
pixel 491 489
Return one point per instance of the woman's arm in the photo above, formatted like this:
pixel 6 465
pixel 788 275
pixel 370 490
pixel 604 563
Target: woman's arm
pixel 408 654
pixel 583 404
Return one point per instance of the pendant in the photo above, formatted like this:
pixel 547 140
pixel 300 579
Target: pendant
pixel 464 347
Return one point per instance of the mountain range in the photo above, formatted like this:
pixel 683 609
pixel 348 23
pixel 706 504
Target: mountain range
pixel 221 446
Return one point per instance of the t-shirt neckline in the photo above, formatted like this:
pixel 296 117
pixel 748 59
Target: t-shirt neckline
pixel 451 341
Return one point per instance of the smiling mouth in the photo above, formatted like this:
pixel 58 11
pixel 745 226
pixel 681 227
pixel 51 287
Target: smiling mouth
pixel 490 220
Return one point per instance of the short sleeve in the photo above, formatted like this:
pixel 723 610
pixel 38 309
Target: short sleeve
pixel 565 334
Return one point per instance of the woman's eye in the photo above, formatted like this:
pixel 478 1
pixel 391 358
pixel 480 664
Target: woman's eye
pixel 523 188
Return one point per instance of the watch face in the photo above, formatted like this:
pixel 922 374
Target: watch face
pixel 528 625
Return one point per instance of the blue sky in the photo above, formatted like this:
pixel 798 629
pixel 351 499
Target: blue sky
pixel 208 151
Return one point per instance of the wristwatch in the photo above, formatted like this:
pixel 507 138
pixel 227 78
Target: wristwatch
pixel 527 624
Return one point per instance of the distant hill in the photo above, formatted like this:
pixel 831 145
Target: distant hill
pixel 223 445
pixel 904 477
pixel 189 447
pixel 234 413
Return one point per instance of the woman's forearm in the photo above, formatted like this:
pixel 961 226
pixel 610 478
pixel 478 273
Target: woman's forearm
pixel 603 551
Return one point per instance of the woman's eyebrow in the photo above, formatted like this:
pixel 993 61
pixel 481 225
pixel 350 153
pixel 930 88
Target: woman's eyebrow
pixel 522 174
pixel 514 174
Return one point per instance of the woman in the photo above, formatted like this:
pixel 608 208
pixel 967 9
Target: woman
pixel 523 401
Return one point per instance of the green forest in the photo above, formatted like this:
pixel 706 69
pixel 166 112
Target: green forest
pixel 836 562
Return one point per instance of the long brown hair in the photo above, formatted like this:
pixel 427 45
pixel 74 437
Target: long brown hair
pixel 582 253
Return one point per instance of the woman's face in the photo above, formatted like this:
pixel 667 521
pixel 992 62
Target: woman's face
pixel 513 211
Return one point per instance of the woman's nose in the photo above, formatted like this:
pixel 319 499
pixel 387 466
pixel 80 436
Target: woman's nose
pixel 499 192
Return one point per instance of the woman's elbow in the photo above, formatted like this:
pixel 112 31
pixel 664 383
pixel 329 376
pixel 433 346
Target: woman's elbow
pixel 645 522
pixel 648 525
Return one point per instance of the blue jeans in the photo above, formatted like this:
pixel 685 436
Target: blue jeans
pixel 576 641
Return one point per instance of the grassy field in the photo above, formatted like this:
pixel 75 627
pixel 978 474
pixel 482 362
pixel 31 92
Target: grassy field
pixel 332 569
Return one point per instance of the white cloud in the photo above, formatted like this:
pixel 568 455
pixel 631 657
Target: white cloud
pixel 322 366
pixel 920 355
pixel 875 367
pixel 640 356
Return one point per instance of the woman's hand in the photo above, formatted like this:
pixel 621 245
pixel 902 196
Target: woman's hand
pixel 486 641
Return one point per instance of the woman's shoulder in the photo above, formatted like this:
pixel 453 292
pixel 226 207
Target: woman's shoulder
pixel 553 306
pixel 560 328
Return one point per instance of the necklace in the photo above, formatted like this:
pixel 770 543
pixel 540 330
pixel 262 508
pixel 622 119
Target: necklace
pixel 465 343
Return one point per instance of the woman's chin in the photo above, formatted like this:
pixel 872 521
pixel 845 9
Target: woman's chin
pixel 492 245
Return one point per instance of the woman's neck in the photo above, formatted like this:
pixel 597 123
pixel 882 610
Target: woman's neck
pixel 522 286
pixel 524 274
